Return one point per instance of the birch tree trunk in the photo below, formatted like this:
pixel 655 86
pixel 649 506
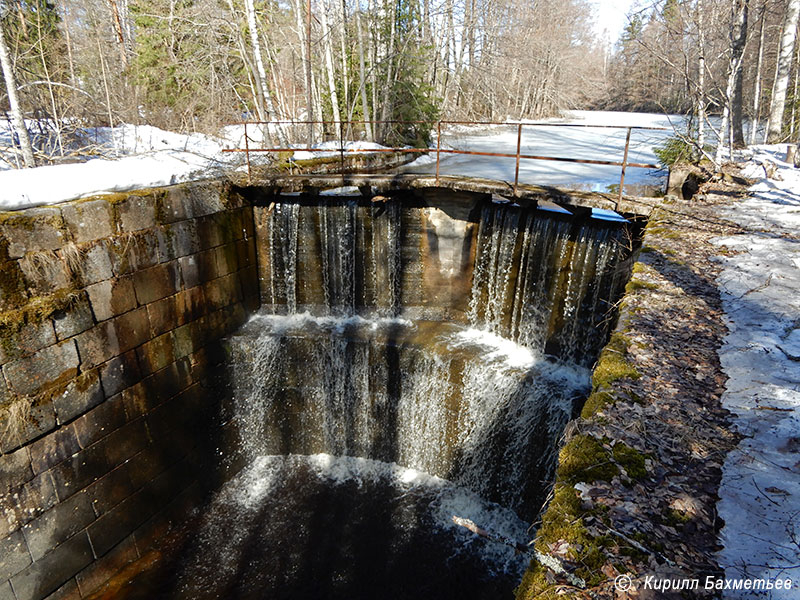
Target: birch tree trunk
pixel 304 36
pixel 738 40
pixel 701 80
pixel 17 119
pixel 327 34
pixel 738 34
pixel 345 70
pixel 68 40
pixel 784 66
pixel 757 83
pixel 386 109
pixel 362 80
pixel 261 72
pixel 794 94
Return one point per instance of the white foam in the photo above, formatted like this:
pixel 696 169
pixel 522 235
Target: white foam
pixel 279 324
pixel 501 350
pixel 254 484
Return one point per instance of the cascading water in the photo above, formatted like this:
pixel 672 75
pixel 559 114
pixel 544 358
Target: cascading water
pixel 367 421
pixel 544 285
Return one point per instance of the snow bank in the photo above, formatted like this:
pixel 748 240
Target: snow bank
pixel 760 286
pixel 136 157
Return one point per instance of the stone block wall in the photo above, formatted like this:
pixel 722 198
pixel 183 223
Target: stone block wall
pixel 110 310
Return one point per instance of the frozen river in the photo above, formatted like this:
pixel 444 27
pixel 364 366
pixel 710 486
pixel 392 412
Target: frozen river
pixel 595 143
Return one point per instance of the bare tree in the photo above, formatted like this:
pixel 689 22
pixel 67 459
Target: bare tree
pixel 738 40
pixel 118 31
pixel 757 79
pixel 18 120
pixel 261 72
pixel 784 65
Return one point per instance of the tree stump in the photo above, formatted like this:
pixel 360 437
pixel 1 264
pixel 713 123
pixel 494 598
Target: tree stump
pixel 791 155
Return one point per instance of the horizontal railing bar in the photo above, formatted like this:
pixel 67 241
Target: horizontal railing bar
pixel 514 123
pixel 443 151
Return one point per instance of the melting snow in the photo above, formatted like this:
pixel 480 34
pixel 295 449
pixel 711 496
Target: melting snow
pixel 760 287
pixel 594 140
pixel 136 157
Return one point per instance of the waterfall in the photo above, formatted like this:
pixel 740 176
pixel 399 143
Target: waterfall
pixel 547 284
pixel 334 258
pixel 410 363
pixel 444 406
pixel 479 400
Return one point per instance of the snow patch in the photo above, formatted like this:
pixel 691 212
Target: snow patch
pixel 760 288
pixel 138 157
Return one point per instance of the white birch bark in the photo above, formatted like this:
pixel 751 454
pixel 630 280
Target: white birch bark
pixel 327 34
pixel 17 119
pixel 757 84
pixel 784 66
pixel 261 72
pixel 362 83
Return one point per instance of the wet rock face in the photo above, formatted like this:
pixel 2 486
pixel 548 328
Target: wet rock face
pixel 545 282
pixel 110 312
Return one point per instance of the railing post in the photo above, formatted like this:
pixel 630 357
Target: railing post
pixel 341 148
pixel 624 164
pixel 247 153
pixel 438 147
pixel 519 148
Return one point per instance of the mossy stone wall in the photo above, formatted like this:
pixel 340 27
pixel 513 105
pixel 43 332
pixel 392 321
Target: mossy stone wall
pixel 110 310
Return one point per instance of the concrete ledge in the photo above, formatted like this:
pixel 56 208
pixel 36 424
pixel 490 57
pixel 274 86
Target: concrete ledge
pixel 526 194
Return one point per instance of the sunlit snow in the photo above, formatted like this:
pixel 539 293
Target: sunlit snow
pixel 760 287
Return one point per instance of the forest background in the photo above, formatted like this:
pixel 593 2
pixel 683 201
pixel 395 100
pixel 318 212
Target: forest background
pixel 194 65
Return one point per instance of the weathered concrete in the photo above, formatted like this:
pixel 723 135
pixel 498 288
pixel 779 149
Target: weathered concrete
pixel 381 183
pixel 109 311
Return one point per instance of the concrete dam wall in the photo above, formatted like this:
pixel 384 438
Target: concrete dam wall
pixel 428 332
pixel 111 310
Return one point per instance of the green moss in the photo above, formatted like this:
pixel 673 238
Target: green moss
pixel 631 460
pixel 12 284
pixel 612 364
pixel 21 220
pixel 119 198
pixel 563 521
pixel 596 402
pixel 226 196
pixel 583 458
pixel 676 518
pixel 158 206
pixel 638 284
pixel 534 585
pixel 36 310
pixel 306 163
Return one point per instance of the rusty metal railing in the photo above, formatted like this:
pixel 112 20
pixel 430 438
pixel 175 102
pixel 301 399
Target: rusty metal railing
pixel 518 156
